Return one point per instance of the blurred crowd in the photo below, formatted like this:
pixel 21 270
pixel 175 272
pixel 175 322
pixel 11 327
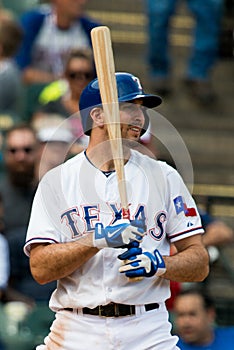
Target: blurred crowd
pixel 45 62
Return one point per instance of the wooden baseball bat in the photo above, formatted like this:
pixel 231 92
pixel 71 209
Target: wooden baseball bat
pixel 105 68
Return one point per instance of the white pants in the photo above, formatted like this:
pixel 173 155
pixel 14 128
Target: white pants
pixel 149 330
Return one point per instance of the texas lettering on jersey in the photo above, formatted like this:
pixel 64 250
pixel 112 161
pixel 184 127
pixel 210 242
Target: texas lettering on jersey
pixel 89 215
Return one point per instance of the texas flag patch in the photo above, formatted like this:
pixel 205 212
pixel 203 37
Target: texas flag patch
pixel 180 206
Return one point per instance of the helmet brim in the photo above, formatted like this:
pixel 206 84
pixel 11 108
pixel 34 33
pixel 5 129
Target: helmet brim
pixel 148 100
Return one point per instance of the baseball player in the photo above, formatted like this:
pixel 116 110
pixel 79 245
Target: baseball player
pixel 77 237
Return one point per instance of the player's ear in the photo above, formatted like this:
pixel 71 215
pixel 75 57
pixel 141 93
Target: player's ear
pixel 97 115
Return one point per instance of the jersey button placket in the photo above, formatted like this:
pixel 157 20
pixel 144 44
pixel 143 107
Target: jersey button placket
pixel 111 190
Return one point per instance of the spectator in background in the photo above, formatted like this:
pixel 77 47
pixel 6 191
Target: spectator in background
pixel 208 15
pixel 11 35
pixel 17 190
pixel 62 97
pixel 195 323
pixel 50 32
pixel 18 184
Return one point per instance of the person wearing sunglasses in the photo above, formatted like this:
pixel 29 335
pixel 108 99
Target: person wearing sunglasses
pixel 62 97
pixel 17 188
pixel 17 185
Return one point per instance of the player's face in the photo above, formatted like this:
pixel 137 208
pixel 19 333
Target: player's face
pixel 192 320
pixel 132 121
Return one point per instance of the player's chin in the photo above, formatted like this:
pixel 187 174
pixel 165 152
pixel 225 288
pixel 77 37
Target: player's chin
pixel 131 142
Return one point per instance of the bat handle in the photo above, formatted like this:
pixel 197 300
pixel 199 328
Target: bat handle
pixel 126 215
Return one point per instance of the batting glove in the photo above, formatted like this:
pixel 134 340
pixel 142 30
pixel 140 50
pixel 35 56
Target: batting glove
pixel 118 235
pixel 142 264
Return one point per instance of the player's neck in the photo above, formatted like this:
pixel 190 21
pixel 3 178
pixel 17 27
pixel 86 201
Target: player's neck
pixel 99 150
pixel 101 157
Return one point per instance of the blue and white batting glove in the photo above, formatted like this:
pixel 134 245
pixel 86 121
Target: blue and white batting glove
pixel 118 235
pixel 137 263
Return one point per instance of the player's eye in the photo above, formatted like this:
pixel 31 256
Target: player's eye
pixel 129 107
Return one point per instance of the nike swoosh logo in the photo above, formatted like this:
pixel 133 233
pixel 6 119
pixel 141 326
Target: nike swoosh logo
pixel 111 234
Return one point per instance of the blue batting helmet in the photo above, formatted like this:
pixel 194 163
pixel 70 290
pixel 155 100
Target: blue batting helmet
pixel 129 88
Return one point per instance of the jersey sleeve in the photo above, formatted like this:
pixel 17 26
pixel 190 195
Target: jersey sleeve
pixel 44 224
pixel 184 219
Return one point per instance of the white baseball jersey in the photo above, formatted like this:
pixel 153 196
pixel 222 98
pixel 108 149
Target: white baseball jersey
pixel 75 196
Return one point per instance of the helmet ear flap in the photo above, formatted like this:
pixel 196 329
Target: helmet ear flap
pixel 87 121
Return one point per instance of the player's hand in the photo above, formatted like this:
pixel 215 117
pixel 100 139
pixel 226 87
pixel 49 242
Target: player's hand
pixel 118 235
pixel 137 263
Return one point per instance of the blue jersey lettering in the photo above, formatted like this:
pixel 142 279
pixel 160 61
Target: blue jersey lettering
pixel 91 214
pixel 158 232
pixel 70 221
